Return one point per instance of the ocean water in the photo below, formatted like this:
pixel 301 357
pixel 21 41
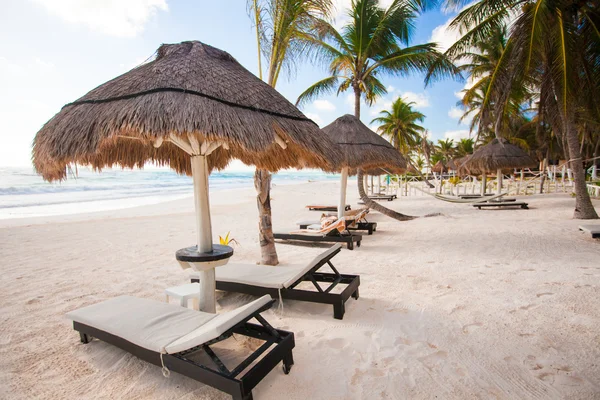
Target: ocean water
pixel 25 194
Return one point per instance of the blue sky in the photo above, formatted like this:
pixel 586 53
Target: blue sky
pixel 54 51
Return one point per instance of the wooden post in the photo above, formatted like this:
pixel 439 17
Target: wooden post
pixel 499 181
pixel 207 301
pixel 342 202
pixel 483 183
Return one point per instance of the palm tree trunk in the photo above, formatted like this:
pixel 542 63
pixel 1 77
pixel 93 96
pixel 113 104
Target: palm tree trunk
pixel 361 189
pixel 376 206
pixel 262 183
pixel 544 165
pixel 425 179
pixel 584 209
pixel 357 102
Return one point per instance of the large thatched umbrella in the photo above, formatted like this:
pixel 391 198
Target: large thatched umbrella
pixel 194 108
pixel 361 149
pixel 498 155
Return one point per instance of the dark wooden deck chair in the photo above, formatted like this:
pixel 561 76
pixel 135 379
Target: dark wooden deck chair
pixel 283 281
pixel 178 338
pixel 333 233
pixel 502 204
pixel 593 230
pixel 326 208
pixel 356 220
pixel 388 197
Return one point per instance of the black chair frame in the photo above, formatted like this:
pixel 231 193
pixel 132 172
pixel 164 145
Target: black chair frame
pixel 323 296
pixel 236 382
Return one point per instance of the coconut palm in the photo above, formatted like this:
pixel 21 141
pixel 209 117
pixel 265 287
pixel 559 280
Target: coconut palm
pixel 282 27
pixel 554 44
pixel 400 125
pixel 374 43
pixel 446 149
pixel 464 147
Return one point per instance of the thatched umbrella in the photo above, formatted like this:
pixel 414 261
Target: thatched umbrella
pixel 498 155
pixel 439 167
pixel 192 101
pixel 361 149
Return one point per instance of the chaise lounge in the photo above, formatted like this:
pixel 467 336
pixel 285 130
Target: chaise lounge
pixel 326 208
pixel 283 281
pixel 174 337
pixel 593 230
pixel 355 221
pixel 333 233
pixel 502 204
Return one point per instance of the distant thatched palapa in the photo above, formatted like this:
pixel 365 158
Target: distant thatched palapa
pixel 363 150
pixel 190 88
pixel 439 167
pixel 498 155
pixel 194 108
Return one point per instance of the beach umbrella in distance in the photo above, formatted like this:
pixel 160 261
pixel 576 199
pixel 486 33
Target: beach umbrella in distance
pixel 194 108
pixel 361 149
pixel 439 167
pixel 498 155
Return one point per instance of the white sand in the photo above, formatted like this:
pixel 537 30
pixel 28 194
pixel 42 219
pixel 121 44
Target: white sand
pixel 473 304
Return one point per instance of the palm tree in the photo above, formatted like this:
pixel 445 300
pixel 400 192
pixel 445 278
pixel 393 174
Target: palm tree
pixel 446 149
pixel 282 28
pixel 553 44
pixel 400 125
pixel 465 147
pixel 371 46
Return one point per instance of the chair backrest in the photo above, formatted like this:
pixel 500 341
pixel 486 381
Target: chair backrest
pixel 218 325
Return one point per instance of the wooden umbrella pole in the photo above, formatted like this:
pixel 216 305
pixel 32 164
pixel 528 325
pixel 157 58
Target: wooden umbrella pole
pixel 342 203
pixel 499 179
pixel 207 299
pixel 201 204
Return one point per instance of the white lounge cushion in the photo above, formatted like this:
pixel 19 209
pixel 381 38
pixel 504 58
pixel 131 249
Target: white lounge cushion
pixel 147 323
pixel 216 326
pixel 277 277
pixel 158 326
pixel 593 229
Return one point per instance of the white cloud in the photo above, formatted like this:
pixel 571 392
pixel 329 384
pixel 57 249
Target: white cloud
pixel 421 100
pixel 124 18
pixel 324 105
pixel 390 89
pixel 455 113
pixel 315 117
pixel 457 135
pixel 444 36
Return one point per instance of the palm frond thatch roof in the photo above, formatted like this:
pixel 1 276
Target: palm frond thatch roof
pixel 189 89
pixel 439 167
pixel 362 148
pixel 499 154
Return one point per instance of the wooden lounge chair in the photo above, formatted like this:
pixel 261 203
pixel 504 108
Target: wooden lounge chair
pixel 326 208
pixel 388 197
pixel 283 281
pixel 334 233
pixel 501 204
pixel 355 221
pixel 474 196
pixel 594 230
pixel 171 336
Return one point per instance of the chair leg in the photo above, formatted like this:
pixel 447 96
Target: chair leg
pixel 355 294
pixel 85 339
pixel 350 245
pixel 240 396
pixel 339 310
pixel 288 361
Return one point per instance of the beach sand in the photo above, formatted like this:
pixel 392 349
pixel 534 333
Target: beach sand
pixel 490 304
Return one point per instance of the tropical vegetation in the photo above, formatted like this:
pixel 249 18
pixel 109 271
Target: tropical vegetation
pixel 283 31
